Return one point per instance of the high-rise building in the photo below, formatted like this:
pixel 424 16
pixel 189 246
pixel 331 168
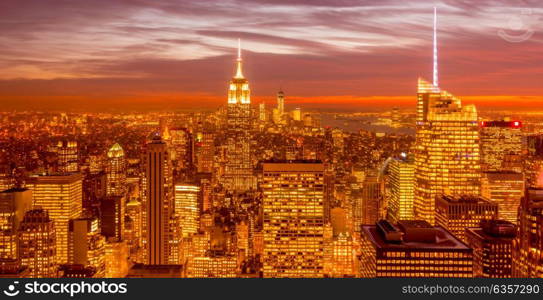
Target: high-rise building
pixel 338 140
pixel 61 196
pixel 340 247
pixel 133 229
pixel 371 197
pixel 343 257
pixel 281 102
pixel 116 259
pixel 446 149
pixel 187 208
pixel 158 201
pixel 183 148
pixel 14 203
pixel 86 245
pixel 533 163
pixel 213 266
pixel 308 120
pixel 456 213
pixel 501 145
pixel 116 171
pixel 505 188
pixel 37 244
pixel 94 189
pixel 205 151
pixel 112 214
pixel 528 246
pixel 492 245
pixel 447 145
pixel 413 249
pixel 293 219
pixel 6 178
pixel 296 114
pixel 402 188
pixel 262 115
pixel 68 156
pixel 395 118
pixel 276 117
pixel 238 172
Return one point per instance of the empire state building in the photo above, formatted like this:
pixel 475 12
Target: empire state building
pixel 238 173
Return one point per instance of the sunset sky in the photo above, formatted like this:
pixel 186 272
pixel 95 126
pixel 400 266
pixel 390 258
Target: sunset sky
pixel 145 54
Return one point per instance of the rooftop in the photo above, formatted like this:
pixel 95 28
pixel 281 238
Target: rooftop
pixel 14 190
pixel 457 199
pixel 504 175
pixel 444 240
pixel 293 166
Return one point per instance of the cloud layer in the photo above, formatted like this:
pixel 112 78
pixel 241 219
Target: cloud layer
pixel 142 53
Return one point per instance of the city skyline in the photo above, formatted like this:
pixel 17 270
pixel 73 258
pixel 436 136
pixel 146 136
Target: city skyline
pixel 256 188
pixel 172 55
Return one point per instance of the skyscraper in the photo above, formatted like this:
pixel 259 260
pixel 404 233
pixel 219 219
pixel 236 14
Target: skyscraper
pixel 61 196
pixel 402 188
pixel 371 197
pixel 505 188
pixel 159 201
pixel 6 179
pixel 413 249
pixel 116 171
pixel 492 245
pixel 340 247
pixel 86 245
pixel 68 156
pixel 14 203
pixel 187 207
pixel 446 147
pixel 501 146
pixel 238 173
pixel 213 266
pixel 112 214
pixel 205 151
pixel 456 213
pixel 533 168
pixel 183 148
pixel 262 115
pixel 281 102
pixel 133 229
pixel 116 259
pixel 37 243
pixel 528 246
pixel 293 219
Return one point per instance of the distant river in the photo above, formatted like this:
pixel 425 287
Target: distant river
pixel 364 122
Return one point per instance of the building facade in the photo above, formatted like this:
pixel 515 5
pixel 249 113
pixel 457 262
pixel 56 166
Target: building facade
pixel 61 196
pixel 158 206
pixel 446 149
pixel 492 245
pixel 528 246
pixel 456 213
pixel 37 240
pixel 293 219
pixel 413 249
pixel 116 171
pixel 238 171
pixel 402 189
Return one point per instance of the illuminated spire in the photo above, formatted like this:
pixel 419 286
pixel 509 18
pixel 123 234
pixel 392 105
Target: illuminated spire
pixel 239 74
pixel 436 81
